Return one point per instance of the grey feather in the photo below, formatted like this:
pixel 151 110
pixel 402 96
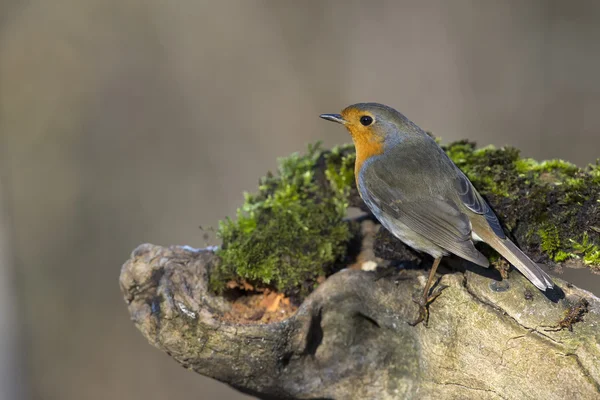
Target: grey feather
pixel 474 202
pixel 428 207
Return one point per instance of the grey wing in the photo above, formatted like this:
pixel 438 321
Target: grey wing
pixel 474 202
pixel 438 220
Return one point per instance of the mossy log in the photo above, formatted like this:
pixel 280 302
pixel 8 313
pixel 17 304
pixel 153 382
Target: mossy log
pixel 490 334
pixel 292 230
pixel 351 337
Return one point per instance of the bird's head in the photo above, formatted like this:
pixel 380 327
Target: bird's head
pixel 373 127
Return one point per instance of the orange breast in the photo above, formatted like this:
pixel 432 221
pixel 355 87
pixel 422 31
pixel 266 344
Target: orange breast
pixel 368 143
pixel 365 149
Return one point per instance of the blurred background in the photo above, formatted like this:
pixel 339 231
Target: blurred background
pixel 124 122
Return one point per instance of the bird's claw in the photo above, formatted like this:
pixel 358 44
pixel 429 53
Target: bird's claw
pixel 424 303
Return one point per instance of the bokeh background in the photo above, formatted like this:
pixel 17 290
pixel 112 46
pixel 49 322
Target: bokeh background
pixel 123 122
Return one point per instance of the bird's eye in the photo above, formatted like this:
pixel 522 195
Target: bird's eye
pixel 366 120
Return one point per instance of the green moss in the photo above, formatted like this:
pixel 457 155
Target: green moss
pixel 595 171
pixel 292 229
pixel 528 165
pixel 340 168
pixel 524 165
pixel 550 241
pixel 561 256
pixel 484 166
pixel 288 232
pixel 587 250
pixel 547 205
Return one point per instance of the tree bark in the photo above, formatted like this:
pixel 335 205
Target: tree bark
pixel 352 339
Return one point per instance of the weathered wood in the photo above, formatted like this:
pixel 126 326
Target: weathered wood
pixel 351 338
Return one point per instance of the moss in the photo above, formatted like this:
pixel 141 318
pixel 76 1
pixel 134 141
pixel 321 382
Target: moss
pixel 547 206
pixel 288 232
pixel 594 170
pixel 587 250
pixel 529 165
pixel 340 168
pixel 292 229
pixel 561 256
pixel 485 167
pixel 550 241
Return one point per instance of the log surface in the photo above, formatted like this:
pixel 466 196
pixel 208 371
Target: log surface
pixel 351 338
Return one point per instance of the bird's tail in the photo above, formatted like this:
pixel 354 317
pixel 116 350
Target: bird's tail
pixel 516 257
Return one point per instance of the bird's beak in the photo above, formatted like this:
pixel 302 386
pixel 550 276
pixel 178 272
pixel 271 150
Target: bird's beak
pixel 334 117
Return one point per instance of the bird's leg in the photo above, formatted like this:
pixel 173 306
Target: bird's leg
pixel 434 267
pixel 425 299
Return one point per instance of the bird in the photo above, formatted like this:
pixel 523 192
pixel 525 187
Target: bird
pixel 420 196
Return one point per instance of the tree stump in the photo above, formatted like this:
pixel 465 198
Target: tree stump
pixel 351 337
pixel 490 335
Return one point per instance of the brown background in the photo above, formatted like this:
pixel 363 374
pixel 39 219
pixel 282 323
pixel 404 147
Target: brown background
pixel 127 121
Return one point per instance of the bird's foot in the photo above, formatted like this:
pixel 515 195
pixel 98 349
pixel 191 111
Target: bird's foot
pixel 424 302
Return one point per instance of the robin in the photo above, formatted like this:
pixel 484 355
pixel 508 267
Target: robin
pixel 419 195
